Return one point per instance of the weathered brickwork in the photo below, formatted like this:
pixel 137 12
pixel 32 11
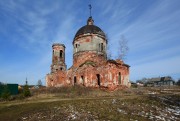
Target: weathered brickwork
pixel 81 57
pixel 58 57
pixel 90 65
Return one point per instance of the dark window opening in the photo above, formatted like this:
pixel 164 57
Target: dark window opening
pixel 98 79
pixel 61 68
pixel 75 80
pixel 76 45
pixel 119 77
pixel 61 53
pixel 56 69
pixel 53 52
pixel 101 46
pixel 82 79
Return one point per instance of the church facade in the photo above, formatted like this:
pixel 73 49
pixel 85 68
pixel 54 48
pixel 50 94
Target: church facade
pixel 90 65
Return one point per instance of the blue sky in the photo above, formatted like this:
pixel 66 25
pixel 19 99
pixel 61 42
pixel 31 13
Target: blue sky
pixel 29 27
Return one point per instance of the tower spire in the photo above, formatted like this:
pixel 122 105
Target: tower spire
pixel 90 7
pixel 90 20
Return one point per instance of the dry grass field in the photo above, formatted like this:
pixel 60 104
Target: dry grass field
pixel 85 104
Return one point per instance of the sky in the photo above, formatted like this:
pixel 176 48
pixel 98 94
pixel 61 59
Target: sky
pixel 28 28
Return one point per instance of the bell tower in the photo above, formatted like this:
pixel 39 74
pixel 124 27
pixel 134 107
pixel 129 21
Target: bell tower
pixel 58 58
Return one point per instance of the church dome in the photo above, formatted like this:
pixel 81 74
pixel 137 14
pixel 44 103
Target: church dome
pixel 90 28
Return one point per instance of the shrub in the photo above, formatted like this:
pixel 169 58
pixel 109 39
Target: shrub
pixel 26 91
pixel 6 93
pixel 134 86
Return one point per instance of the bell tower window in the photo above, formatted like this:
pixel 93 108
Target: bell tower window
pixel 61 53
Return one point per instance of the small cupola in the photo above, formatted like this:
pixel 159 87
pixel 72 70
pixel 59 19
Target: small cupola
pixel 90 21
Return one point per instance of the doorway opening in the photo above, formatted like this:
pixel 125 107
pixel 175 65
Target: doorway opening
pixel 75 80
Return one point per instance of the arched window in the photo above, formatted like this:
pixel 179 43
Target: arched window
pixel 102 47
pixel 99 47
pixel 75 80
pixel 61 53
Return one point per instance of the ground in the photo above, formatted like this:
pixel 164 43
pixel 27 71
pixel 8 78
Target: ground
pixel 85 104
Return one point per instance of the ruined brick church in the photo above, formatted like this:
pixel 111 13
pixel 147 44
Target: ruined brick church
pixel 90 65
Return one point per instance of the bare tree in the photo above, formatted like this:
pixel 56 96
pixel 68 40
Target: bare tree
pixel 123 48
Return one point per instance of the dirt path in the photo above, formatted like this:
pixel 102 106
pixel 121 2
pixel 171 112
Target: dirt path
pixel 54 99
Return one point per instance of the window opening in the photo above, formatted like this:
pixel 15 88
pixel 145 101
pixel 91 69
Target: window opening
pixel 76 47
pixel 61 53
pixel 101 46
pixel 75 80
pixel 98 79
